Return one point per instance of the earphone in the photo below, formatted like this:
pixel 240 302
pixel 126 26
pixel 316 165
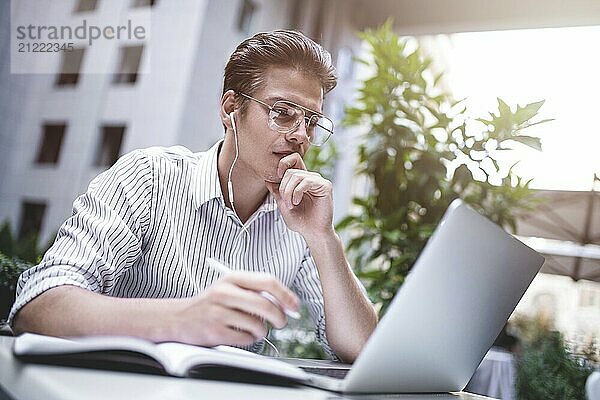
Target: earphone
pixel 230 192
pixel 229 184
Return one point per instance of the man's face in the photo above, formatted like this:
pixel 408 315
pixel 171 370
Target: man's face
pixel 261 147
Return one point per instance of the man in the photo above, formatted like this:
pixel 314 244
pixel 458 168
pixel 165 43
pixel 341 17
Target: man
pixel 131 260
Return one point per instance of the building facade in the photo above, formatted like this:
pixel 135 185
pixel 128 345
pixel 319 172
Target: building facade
pixel 59 130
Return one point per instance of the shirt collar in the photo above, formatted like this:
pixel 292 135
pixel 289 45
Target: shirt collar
pixel 269 204
pixel 207 181
pixel 207 176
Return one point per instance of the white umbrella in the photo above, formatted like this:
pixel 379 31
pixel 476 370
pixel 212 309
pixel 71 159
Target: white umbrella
pixel 565 228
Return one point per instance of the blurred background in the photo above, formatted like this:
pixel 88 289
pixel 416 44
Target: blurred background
pixel 494 102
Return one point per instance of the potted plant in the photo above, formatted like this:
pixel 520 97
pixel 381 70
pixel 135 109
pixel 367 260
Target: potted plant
pixel 10 269
pixel 421 150
pixel 15 257
pixel 549 368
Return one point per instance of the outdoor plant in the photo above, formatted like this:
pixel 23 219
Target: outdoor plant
pixel 548 369
pixel 27 248
pixel 15 257
pixel 322 159
pixel 420 152
pixel 297 340
pixel 10 269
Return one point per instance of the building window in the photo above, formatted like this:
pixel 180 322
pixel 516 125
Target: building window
pixel 32 217
pixel 143 3
pixel 70 67
pixel 109 147
pixel 86 5
pixel 50 144
pixel 319 18
pixel 129 64
pixel 296 14
pixel 589 297
pixel 247 10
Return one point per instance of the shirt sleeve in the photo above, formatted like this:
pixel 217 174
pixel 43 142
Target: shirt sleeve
pixel 307 286
pixel 101 239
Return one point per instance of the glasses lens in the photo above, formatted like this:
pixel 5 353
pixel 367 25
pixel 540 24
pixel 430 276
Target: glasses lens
pixel 319 129
pixel 285 117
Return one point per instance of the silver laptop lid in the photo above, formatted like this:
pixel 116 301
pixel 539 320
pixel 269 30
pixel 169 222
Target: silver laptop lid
pixel 461 291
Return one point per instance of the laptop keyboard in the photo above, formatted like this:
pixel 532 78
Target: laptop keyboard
pixel 339 373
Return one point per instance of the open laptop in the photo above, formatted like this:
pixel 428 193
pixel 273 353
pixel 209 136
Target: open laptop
pixel 465 284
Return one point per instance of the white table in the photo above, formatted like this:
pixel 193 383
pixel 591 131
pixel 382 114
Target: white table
pixel 33 381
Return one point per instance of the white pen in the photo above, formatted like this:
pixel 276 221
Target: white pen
pixel 224 270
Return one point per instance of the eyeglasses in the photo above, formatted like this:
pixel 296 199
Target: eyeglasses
pixel 285 117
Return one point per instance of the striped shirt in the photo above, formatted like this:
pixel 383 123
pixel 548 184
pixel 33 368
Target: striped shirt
pixel 145 227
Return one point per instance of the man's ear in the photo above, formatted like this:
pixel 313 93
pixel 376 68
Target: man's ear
pixel 227 107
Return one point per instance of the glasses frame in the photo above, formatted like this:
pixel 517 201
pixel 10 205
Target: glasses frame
pixel 306 119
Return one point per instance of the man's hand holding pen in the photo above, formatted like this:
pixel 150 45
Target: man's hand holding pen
pixel 233 311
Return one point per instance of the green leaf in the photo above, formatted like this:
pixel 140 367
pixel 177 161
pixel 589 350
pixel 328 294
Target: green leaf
pixel 533 142
pixel 437 79
pixel 346 221
pixel 539 122
pixel 503 108
pixel 526 113
pixel 373 274
pixel 363 202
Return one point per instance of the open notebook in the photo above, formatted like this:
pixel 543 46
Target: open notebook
pixel 138 355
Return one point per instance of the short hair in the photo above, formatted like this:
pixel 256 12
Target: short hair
pixel 247 65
